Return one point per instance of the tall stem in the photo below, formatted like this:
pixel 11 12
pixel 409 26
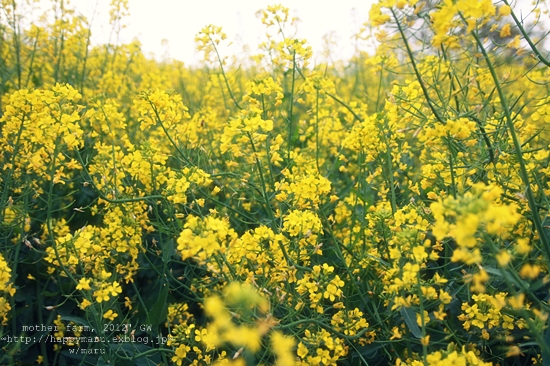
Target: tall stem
pixel 517 147
pixel 416 72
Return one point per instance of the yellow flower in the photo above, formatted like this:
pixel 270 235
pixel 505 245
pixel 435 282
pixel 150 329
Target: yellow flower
pixel 114 288
pixel 504 10
pixel 420 319
pixel 111 315
pixel 333 289
pixel 445 297
pixel 302 350
pixel 513 351
pixel 84 284
pixel 396 334
pixel 101 295
pixel 84 304
pixel 530 271
pixel 440 314
pixel 180 354
pixel 425 340
pixel 522 246
pixel 503 258
pixel 419 254
pixel 243 336
pixel 505 31
pixel 515 43
pixel 517 302
pixel 299 222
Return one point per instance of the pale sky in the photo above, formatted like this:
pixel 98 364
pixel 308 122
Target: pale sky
pixel 178 21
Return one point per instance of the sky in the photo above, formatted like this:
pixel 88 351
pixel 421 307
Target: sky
pixel 178 21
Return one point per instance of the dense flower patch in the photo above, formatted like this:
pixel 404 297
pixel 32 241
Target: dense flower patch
pixel 390 209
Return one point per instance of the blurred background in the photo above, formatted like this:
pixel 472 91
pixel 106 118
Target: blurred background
pixel 167 28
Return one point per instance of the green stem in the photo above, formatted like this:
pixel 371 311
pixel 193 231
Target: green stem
pixel 317 132
pixel 451 167
pixel 291 108
pixel 7 183
pixel 17 44
pixel 327 327
pixel 527 38
pixel 31 63
pixel 90 180
pixel 166 132
pixel 422 320
pixel 387 140
pixel 416 72
pixel 342 103
pixel 517 147
pixel 269 209
pixel 223 74
pixel 506 273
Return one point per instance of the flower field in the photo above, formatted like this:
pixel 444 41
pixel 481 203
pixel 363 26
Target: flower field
pixel 274 209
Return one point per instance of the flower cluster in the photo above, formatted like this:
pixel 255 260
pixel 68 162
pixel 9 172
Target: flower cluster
pixel 277 208
pixel 461 219
pixel 6 288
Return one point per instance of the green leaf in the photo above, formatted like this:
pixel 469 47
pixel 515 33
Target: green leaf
pixel 409 315
pixel 497 272
pixel 159 310
pixel 493 271
pixel 132 348
pixel 168 251
pixel 371 350
pixel 61 361
pixel 76 320
pixel 49 293
pixel 545 354
pixel 101 362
